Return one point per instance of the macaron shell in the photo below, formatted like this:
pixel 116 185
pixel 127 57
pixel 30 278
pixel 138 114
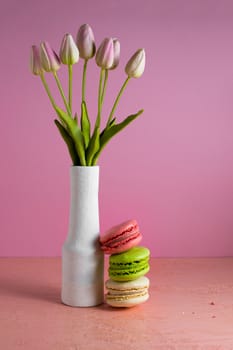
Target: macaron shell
pixel 121 237
pixel 139 284
pixel 129 225
pixel 123 246
pixel 133 255
pixel 125 302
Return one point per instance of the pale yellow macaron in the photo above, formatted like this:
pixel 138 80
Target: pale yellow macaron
pixel 127 294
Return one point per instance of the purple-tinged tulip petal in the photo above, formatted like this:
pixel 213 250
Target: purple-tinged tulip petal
pixel 117 48
pixel 105 54
pixel 35 63
pixel 86 42
pixel 69 53
pixel 136 65
pixel 49 59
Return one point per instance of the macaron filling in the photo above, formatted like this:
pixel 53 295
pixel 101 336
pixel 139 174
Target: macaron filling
pixel 120 297
pixel 123 238
pixel 132 291
pixel 135 263
pixel 128 274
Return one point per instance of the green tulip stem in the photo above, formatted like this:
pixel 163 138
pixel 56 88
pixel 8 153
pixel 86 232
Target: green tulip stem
pixel 70 70
pixel 117 100
pixel 105 85
pixel 84 80
pixel 62 92
pixel 47 90
pixel 97 124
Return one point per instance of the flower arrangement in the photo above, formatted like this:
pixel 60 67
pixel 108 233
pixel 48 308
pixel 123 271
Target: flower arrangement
pixel 84 144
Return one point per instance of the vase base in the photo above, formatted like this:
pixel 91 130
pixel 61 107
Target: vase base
pixel 82 306
pixel 82 278
pixel 82 297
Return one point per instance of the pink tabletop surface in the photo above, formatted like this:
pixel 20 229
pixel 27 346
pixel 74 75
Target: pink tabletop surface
pixel 190 307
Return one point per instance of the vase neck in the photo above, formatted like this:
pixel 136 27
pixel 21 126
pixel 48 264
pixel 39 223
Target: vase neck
pixel 84 207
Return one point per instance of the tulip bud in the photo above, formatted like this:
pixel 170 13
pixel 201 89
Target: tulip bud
pixel 136 65
pixel 35 63
pixel 116 48
pixel 105 54
pixel 69 53
pixel 86 42
pixel 49 59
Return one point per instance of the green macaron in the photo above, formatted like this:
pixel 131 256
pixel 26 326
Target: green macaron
pixel 129 265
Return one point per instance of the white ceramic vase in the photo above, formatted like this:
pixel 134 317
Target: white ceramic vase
pixel 82 259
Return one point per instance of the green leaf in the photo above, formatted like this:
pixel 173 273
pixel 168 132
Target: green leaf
pixel 112 130
pixel 93 147
pixel 85 124
pixel 74 132
pixel 76 118
pixel 112 122
pixel 69 142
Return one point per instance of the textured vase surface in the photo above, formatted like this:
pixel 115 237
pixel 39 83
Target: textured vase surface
pixel 82 258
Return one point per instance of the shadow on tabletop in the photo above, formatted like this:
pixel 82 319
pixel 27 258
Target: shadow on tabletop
pixel 22 288
pixel 43 291
pixel 26 289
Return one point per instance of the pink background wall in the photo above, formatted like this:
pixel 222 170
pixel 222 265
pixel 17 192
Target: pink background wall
pixel 172 169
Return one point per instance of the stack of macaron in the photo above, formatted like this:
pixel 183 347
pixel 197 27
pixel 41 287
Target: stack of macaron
pixel 128 263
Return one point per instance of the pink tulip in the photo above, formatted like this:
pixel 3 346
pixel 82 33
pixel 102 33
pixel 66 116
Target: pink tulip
pixel 35 63
pixel 86 42
pixel 136 65
pixel 105 54
pixel 116 48
pixel 49 59
pixel 69 53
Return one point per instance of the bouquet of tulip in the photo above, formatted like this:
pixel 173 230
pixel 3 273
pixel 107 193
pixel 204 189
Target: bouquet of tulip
pixel 84 144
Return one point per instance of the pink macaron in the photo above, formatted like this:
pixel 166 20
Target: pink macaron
pixel 121 237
